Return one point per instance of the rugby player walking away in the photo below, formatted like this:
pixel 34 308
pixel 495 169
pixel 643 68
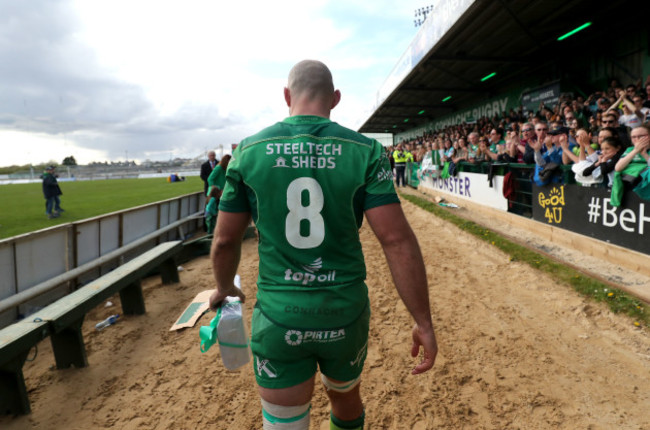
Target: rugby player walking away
pixel 307 182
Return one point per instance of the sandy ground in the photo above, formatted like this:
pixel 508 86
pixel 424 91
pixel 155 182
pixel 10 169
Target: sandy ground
pixel 517 351
pixel 627 279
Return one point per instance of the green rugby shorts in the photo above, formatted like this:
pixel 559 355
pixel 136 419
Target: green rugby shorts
pixel 285 356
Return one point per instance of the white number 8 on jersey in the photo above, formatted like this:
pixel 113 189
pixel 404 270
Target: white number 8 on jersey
pixel 311 213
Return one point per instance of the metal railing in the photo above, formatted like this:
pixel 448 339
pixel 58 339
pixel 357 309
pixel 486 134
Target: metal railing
pixel 50 284
pixel 41 257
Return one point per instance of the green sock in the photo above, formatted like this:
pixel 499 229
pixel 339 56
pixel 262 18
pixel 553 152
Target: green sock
pixel 337 424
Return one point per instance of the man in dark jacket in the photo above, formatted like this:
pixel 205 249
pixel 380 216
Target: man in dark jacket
pixel 528 136
pixel 206 169
pixel 51 192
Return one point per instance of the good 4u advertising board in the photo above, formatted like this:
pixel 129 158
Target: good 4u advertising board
pixel 588 211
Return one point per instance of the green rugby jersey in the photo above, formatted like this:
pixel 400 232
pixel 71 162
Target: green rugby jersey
pixel 306 181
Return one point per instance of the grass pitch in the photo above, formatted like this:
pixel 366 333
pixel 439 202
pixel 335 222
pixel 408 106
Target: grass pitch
pixel 23 205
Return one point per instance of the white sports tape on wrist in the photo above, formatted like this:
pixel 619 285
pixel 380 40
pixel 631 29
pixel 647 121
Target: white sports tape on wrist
pixel 340 387
pixel 276 417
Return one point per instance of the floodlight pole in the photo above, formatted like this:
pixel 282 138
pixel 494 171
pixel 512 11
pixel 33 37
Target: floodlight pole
pixel 422 12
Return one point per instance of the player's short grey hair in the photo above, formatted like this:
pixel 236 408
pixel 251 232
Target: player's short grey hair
pixel 310 78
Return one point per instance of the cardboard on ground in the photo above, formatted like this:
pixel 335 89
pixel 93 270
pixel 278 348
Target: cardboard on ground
pixel 194 310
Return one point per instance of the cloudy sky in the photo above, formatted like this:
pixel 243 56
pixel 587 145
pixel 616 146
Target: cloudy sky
pixel 106 80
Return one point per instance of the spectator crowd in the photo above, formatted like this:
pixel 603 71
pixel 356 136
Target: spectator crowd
pixel 605 137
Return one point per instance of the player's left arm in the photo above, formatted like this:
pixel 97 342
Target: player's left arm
pixel 406 265
pixel 387 220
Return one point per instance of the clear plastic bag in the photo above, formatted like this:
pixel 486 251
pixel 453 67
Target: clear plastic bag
pixel 228 328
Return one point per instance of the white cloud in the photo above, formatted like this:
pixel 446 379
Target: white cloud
pixel 39 148
pixel 160 77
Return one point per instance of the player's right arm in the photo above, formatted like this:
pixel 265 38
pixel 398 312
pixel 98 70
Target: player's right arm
pixel 407 268
pixel 234 217
pixel 225 254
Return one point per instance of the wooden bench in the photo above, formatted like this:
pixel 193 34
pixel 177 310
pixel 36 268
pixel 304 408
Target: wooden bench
pixel 62 321
pixel 15 342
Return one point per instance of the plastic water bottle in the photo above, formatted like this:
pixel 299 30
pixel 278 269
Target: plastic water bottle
pixel 108 321
pixel 231 332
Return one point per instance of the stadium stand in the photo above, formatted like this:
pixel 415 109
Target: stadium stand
pixel 479 67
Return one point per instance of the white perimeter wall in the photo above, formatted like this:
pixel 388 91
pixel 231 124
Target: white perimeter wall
pixel 470 186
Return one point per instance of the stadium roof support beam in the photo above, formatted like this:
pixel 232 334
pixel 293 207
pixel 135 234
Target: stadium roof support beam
pixel 420 107
pixel 444 90
pixel 453 75
pixel 459 57
pixel 520 24
pixel 394 118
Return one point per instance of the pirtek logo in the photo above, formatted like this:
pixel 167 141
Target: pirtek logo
pixel 296 337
